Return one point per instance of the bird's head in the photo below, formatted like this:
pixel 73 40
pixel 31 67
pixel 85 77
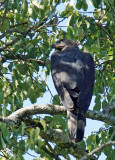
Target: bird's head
pixel 62 43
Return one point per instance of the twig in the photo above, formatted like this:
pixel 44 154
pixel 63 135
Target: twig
pixel 104 30
pixel 111 6
pixel 88 12
pixel 9 44
pixel 112 136
pixel 52 154
pixel 12 30
pixel 109 108
pixel 87 156
pixel 41 25
pixel 18 24
pixel 45 26
pixel 20 57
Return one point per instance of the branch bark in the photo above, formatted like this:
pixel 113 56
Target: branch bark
pixel 87 156
pixel 55 109
pixel 109 108
pixel 6 57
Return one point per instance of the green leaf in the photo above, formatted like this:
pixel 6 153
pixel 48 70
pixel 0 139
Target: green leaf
pixel 112 154
pixel 97 106
pixel 22 128
pixel 22 68
pixel 39 142
pixel 37 132
pixel 56 100
pixel 112 98
pixel 6 134
pixel 69 9
pixel 5 26
pixel 79 4
pixel 84 5
pixel 16 4
pixel 34 12
pixel 2 143
pixel 95 48
pixel 1 95
pixel 96 13
pixel 15 74
pixel 43 124
pixel 80 34
pixel 87 24
pixel 31 95
pixel 22 146
pixel 96 3
pixel 17 47
pixel 10 66
pixel 82 144
pixel 73 19
pixel 24 7
pixel 70 31
pixel 97 140
pixel 35 65
pixel 104 104
pixel 32 138
pixel 90 140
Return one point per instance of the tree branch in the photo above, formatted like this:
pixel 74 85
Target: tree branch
pixel 63 142
pixel 12 30
pixel 9 44
pixel 109 108
pixel 6 57
pixel 87 156
pixel 54 109
pixel 45 19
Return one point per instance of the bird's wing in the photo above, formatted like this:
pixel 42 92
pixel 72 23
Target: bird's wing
pixel 71 72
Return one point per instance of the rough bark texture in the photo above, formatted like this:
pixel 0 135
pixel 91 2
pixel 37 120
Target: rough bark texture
pixel 55 109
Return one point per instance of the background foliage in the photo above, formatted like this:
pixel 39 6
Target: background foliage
pixel 28 28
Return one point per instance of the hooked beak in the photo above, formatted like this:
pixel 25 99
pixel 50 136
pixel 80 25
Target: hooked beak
pixel 58 46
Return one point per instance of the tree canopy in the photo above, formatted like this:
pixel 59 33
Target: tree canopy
pixel 28 28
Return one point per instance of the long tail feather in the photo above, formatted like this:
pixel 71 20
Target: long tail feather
pixel 76 125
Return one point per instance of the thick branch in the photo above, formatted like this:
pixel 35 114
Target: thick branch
pixel 87 156
pixel 55 109
pixel 96 115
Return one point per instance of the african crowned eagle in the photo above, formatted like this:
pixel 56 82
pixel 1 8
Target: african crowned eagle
pixel 73 77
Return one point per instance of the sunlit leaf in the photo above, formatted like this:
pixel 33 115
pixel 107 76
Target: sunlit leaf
pixel 43 124
pixel 5 25
pixel 24 7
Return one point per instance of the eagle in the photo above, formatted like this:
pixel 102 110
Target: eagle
pixel 73 76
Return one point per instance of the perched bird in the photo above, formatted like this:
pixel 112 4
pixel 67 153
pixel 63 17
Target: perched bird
pixel 73 77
